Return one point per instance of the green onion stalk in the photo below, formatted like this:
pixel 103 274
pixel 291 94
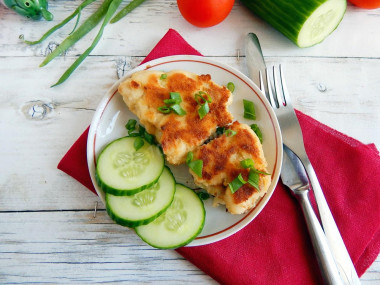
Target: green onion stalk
pixel 105 14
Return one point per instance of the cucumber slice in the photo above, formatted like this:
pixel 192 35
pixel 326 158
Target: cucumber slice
pixel 179 225
pixel 145 206
pixel 121 170
pixel 306 23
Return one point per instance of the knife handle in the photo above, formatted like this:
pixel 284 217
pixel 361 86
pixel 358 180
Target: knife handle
pixel 322 250
pixel 341 255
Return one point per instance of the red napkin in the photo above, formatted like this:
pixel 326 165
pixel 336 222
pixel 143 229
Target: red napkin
pixel 275 247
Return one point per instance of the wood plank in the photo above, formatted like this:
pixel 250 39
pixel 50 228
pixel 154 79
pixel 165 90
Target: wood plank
pixel 156 17
pixel 73 247
pixel 29 179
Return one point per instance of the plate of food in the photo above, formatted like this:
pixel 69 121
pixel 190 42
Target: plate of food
pixel 184 150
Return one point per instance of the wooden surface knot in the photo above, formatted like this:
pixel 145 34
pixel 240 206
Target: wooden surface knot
pixel 37 110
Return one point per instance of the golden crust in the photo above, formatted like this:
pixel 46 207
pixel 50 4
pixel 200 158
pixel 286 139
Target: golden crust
pixel 221 164
pixel 144 92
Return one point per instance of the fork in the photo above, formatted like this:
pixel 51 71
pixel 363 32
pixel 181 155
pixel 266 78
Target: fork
pixel 277 94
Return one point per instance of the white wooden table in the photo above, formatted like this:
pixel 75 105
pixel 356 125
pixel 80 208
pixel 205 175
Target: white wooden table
pixel 47 229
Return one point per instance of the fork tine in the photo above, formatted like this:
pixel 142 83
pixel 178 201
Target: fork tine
pixel 285 92
pixel 262 87
pixel 270 90
pixel 278 88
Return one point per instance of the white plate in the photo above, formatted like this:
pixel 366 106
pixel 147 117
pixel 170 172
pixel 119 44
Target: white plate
pixel 112 114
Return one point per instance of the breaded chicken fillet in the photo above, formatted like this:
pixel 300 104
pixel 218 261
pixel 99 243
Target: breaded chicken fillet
pixel 145 91
pixel 221 164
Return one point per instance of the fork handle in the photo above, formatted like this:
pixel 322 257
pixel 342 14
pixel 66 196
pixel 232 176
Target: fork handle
pixel 322 251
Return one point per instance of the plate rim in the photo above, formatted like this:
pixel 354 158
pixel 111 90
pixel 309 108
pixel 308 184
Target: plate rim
pixel 254 212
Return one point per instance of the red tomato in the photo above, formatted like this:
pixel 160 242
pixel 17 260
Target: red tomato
pixel 205 13
pixel 367 4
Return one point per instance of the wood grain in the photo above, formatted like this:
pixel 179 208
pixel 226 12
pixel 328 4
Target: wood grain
pixel 47 230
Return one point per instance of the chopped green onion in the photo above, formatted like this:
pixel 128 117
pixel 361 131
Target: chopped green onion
pixel 164 109
pixel 163 76
pixel 170 101
pixel 257 131
pixel 253 179
pixel 149 138
pixel 203 110
pixel 138 143
pixel 189 157
pixel 141 130
pixel 247 163
pixel 176 108
pixel 131 124
pixel 203 195
pixel 196 166
pixel 220 130
pixel 133 134
pixel 176 96
pixel 249 110
pixel 231 86
pixel 229 133
pixel 202 97
pixel 172 104
pixel 236 183
pixel 260 172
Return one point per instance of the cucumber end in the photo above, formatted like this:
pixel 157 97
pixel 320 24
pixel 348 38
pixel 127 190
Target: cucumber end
pixel 321 23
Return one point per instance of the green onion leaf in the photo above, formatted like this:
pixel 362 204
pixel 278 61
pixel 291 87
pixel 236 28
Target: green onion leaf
pixel 220 130
pixel 236 183
pixel 257 131
pixel 253 179
pixel 196 166
pixel 229 133
pixel 202 97
pixel 249 110
pixel 163 76
pixel 149 138
pixel 141 130
pixel 127 9
pixel 138 143
pixel 231 87
pixel 247 163
pixel 164 109
pixel 189 157
pixel 259 172
pixel 131 124
pixel 203 110
pixel 203 195
pixel 170 101
pixel 176 108
pixel 176 96
pixel 60 25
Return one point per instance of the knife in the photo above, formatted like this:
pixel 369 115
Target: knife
pixel 255 64
pixel 293 175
